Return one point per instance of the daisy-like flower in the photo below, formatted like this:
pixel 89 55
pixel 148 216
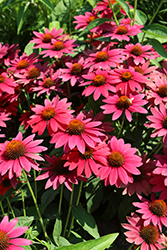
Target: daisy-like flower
pixel 43 39
pixel 89 161
pixel 47 84
pixel 157 181
pixel 104 59
pixel 58 174
pixel 8 104
pixel 74 73
pixel 147 237
pixel 4 117
pixel 3 50
pixel 9 235
pixel 123 31
pixel 7 84
pixel 154 211
pixel 139 52
pixel 23 63
pixel 161 164
pixel 58 48
pixel 127 80
pixel 19 154
pixel 53 115
pixel 83 20
pixel 100 82
pixel 158 121
pixel 141 182
pixel 121 163
pixel 79 132
pixel 117 104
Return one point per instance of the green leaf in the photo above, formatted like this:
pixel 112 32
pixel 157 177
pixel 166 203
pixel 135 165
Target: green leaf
pixel 29 48
pixel 24 221
pixel 124 6
pixel 92 3
pixel 158 47
pixel 94 24
pixel 22 13
pixel 48 4
pixel 27 248
pixel 156 31
pixel 48 196
pixel 85 220
pixel 57 229
pixel 140 17
pixel 96 244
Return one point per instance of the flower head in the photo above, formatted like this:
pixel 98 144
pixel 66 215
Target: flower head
pixel 9 235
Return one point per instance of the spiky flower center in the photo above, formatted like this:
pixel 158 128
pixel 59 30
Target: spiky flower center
pixel 4 240
pixel 126 76
pixel 149 234
pixel 22 64
pixel 102 56
pixel 90 19
pixel 75 127
pixel 2 79
pixel 76 69
pixel 164 122
pixel 139 70
pixel 58 46
pixel 48 113
pixel 33 73
pixel 136 50
pixel 123 102
pixel 47 38
pixel 14 150
pixel 88 153
pixel 158 207
pixel 122 30
pixel 6 183
pixel 162 91
pixel 116 159
pixel 58 167
pixel 48 82
pixel 99 80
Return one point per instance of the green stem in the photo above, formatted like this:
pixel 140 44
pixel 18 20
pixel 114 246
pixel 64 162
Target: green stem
pixel 156 149
pixel 154 15
pixel 69 31
pixel 69 211
pixel 122 124
pixel 61 198
pixel 115 17
pixel 2 209
pixel 134 13
pixel 10 207
pixel 23 201
pixel 35 184
pixel 36 205
pixel 131 246
pixel 77 202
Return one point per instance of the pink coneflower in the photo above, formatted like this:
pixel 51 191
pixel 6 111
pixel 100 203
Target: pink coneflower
pixel 43 39
pixel 18 153
pixel 121 163
pixel 53 115
pixel 104 59
pixel 58 174
pixel 4 117
pixel 8 105
pixel 47 84
pixel 127 80
pixel 158 121
pixel 158 90
pixel 157 181
pixel 100 83
pixel 141 182
pixel 6 184
pixel 161 164
pixel 147 237
pixel 83 20
pixel 74 73
pixel 123 31
pixel 154 211
pixel 88 162
pixel 117 104
pixel 78 132
pixel 23 63
pixel 139 52
pixel 9 235
pixel 3 50
pixel 58 48
pixel 7 84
